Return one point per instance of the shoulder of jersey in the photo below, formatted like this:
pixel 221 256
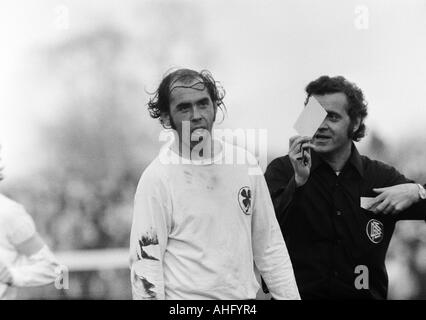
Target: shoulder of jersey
pixel 10 207
pixel 251 159
pixel 153 172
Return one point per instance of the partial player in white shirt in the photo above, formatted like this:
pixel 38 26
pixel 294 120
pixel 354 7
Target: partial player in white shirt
pixel 25 260
pixel 202 223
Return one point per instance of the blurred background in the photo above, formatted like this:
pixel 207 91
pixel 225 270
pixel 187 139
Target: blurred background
pixel 76 135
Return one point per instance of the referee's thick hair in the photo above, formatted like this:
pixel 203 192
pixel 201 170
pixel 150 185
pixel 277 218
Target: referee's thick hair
pixel 159 104
pixel 357 106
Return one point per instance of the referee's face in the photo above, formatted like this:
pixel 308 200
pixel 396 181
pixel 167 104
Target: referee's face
pixel 332 136
pixel 192 112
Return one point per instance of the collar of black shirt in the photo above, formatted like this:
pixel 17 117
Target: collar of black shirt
pixel 354 160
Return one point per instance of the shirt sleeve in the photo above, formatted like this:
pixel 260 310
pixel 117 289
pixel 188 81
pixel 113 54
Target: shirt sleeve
pixel 281 183
pixel 39 269
pixel 148 239
pixel 269 249
pixel 416 212
pixel 21 226
pixel 393 177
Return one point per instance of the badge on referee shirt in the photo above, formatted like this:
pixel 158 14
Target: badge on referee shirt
pixel 375 231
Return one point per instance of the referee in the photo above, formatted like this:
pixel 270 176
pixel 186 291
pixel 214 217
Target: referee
pixel 336 243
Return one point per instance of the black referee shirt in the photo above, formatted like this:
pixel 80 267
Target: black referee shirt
pixel 326 231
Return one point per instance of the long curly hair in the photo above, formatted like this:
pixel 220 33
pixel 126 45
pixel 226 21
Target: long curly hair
pixel 159 104
pixel 357 105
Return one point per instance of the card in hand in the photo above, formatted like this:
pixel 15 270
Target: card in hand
pixel 310 118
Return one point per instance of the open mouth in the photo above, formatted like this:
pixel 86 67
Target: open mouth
pixel 198 133
pixel 198 129
pixel 321 137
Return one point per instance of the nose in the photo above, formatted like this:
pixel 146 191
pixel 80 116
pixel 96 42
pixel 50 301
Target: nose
pixel 323 126
pixel 195 113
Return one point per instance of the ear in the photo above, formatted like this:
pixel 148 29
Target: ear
pixel 165 118
pixel 357 124
pixel 215 111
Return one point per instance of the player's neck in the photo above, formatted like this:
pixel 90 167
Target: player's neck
pixel 338 158
pixel 202 150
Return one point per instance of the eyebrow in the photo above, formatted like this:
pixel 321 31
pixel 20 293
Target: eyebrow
pixel 183 105
pixel 203 100
pixel 188 104
pixel 333 113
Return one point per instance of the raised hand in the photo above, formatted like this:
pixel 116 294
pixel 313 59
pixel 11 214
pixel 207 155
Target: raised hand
pixel 300 157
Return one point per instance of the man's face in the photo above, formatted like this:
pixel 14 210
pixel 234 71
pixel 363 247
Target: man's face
pixel 191 102
pixel 334 133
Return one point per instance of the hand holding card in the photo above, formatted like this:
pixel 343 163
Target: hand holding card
pixel 310 119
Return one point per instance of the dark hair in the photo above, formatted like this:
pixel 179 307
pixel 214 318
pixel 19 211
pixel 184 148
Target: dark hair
pixel 160 102
pixel 357 106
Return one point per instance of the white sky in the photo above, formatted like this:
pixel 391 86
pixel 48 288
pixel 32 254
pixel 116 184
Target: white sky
pixel 265 52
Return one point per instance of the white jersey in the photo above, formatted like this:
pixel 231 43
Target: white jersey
pixel 16 226
pixel 199 230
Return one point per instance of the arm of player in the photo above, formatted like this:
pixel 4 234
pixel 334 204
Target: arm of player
pixel 40 267
pixel 150 229
pixel 269 249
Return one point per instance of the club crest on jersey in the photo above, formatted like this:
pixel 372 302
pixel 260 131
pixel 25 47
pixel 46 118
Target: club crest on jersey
pixel 375 231
pixel 244 199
